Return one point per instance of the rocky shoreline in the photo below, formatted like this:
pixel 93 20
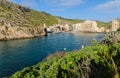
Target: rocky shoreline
pixel 10 32
pixel 7 32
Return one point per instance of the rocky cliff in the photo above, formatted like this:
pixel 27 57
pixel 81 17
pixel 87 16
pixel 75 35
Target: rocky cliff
pixel 7 32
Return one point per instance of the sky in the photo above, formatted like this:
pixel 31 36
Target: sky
pixel 102 10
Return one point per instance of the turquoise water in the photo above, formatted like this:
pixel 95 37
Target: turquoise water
pixel 17 54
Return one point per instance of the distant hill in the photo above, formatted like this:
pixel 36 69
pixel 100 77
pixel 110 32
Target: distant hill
pixel 71 21
pixel 104 24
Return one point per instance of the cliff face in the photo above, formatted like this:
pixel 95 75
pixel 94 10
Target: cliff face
pixel 7 32
pixel 87 26
pixel 93 26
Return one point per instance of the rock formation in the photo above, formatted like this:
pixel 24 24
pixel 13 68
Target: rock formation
pixel 87 26
pixel 7 32
pixel 66 27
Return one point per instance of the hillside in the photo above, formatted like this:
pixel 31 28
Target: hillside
pixel 22 16
pixel 62 20
pixel 18 22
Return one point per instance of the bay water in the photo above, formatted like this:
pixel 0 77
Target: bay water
pixel 17 54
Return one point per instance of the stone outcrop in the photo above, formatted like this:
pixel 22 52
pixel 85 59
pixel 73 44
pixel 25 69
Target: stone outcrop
pixel 7 32
pixel 87 26
pixel 67 27
pixel 57 28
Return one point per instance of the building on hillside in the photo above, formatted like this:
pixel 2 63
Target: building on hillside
pixel 115 25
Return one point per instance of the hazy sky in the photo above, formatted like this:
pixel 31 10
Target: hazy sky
pixel 103 10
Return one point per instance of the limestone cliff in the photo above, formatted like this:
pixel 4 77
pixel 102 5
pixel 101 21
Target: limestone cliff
pixel 93 26
pixel 7 32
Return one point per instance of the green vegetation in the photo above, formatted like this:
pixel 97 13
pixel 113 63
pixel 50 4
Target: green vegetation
pixel 111 38
pixel 22 16
pixel 37 18
pixel 96 61
pixel 103 24
pixel 118 19
pixel 68 21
